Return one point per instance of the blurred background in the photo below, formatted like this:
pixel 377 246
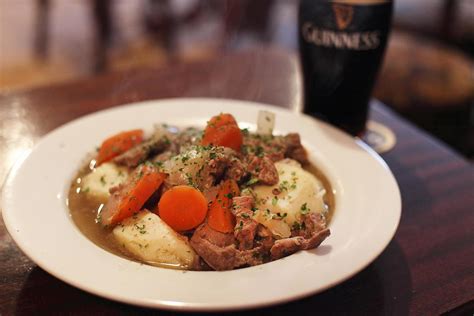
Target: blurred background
pixel 427 76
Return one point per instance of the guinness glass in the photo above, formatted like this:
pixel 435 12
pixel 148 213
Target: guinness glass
pixel 342 43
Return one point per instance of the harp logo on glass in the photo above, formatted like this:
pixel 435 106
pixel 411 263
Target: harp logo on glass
pixel 343 15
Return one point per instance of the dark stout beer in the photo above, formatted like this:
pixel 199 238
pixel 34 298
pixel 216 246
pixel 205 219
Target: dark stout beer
pixel 341 46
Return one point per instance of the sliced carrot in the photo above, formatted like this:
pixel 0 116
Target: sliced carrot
pixel 220 215
pixel 227 136
pixel 118 144
pixel 131 197
pixel 222 130
pixel 182 207
pixel 221 120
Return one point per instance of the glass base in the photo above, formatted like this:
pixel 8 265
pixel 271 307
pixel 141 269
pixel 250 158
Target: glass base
pixel 379 137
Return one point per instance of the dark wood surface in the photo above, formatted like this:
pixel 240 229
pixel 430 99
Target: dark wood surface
pixel 427 269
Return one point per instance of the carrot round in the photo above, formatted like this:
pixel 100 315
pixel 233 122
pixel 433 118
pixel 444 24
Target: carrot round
pixel 182 207
pixel 222 130
pixel 221 120
pixel 118 144
pixel 220 216
pixel 131 196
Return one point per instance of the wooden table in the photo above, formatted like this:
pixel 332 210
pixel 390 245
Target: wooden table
pixel 427 269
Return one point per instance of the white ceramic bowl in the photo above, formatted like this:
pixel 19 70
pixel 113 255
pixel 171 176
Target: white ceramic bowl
pixel 367 214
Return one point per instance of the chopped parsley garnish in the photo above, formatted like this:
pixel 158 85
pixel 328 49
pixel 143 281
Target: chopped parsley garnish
pixel 141 229
pixel 304 209
pixel 296 226
pixel 283 186
pixel 190 179
pixel 102 180
pixel 274 200
pixel 281 216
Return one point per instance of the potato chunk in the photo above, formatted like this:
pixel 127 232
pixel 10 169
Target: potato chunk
pixel 298 192
pixel 97 183
pixel 150 239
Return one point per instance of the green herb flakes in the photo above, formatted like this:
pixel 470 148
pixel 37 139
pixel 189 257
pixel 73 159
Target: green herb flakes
pixel 274 200
pixel 304 209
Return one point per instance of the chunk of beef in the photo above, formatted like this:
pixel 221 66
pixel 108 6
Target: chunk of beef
pixel 236 169
pixel 309 236
pixel 181 140
pixel 203 167
pixel 276 147
pixel 294 148
pixel 317 238
pixel 163 142
pixel 188 137
pixel 162 157
pixel 287 246
pixel 263 169
pixel 200 265
pixel 218 239
pixel 157 143
pixel 312 223
pixel 225 164
pixel 219 252
pixel 264 238
pixel 245 227
pixel 218 258
pixel 215 165
pixel 273 147
pixel 215 248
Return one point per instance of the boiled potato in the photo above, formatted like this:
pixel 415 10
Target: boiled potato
pixel 300 192
pixel 97 183
pixel 147 237
pixel 183 169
